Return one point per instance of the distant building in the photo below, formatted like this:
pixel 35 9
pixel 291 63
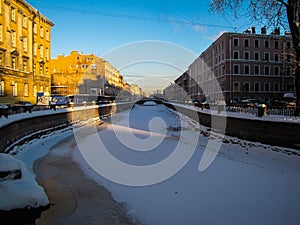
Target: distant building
pixel 80 73
pixel 180 89
pixel 24 52
pixel 244 65
pixel 136 90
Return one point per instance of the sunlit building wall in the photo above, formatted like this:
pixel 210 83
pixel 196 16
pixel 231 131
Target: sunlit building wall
pixel 80 73
pixel 25 43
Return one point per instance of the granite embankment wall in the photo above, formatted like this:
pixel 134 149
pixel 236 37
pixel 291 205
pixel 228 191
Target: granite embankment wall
pixel 284 134
pixel 19 129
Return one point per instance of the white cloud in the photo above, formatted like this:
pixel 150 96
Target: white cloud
pixel 214 37
pixel 199 28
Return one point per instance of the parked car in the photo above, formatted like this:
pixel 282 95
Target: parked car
pixel 277 104
pixel 22 105
pixel 247 103
pixel 196 103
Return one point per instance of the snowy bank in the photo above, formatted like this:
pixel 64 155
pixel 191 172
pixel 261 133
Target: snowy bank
pixel 18 188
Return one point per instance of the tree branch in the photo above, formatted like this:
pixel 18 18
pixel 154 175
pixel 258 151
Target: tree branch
pixel 283 2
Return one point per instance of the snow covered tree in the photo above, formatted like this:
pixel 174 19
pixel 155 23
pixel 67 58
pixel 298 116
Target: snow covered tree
pixel 276 13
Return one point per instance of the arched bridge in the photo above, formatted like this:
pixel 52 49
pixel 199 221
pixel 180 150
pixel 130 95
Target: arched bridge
pixel 143 100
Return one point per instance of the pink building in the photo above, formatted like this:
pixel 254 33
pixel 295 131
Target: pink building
pixel 244 65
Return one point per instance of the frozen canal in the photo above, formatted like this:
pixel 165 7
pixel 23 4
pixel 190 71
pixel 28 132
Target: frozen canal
pixel 149 159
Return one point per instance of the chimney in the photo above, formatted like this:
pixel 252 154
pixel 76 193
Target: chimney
pixel 253 30
pixel 248 31
pixel 277 31
pixel 264 30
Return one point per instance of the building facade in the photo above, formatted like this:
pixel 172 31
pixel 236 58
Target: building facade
pixel 80 73
pixel 24 52
pixel 244 65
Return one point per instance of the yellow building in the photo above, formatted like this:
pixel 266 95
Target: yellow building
pixel 80 73
pixel 24 52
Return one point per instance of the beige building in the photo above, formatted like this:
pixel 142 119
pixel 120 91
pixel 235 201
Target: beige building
pixel 24 52
pixel 80 73
pixel 136 90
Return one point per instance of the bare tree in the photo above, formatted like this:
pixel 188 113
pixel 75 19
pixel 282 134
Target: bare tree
pixel 276 13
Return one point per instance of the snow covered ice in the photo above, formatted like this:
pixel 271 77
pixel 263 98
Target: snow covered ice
pixel 247 183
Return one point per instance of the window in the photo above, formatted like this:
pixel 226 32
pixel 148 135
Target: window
pixel 276 87
pixel 41 88
pixel 34 90
pixel 236 86
pixel 289 71
pixel 256 87
pixel 41 32
pixel 25 44
pixel 267 87
pixel 34 69
pixel 236 54
pixel 277 70
pixel 1 58
pixel 94 91
pixel 2 87
pixel 267 70
pixel 24 21
pixel 1 32
pixel 47 54
pixel 35 49
pixel 41 70
pixel 15 89
pixel 25 63
pixel 267 56
pixel 236 69
pixel 246 86
pixel 267 44
pixel 276 44
pixel 13 14
pixel 41 47
pixel 35 28
pixel 235 42
pixel 13 39
pixel 276 57
pixel 246 42
pixel 47 71
pixel 256 43
pixel 256 55
pixel 256 70
pixel 47 35
pixel 14 62
pixel 288 45
pixel 247 69
pixel 26 90
pixel 246 55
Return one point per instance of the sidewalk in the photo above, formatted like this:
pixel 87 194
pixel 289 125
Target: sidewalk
pixel 76 199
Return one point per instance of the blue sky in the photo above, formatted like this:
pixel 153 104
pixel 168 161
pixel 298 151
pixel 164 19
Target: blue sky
pixel 97 26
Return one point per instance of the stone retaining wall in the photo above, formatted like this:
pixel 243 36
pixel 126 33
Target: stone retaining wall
pixel 17 130
pixel 285 134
